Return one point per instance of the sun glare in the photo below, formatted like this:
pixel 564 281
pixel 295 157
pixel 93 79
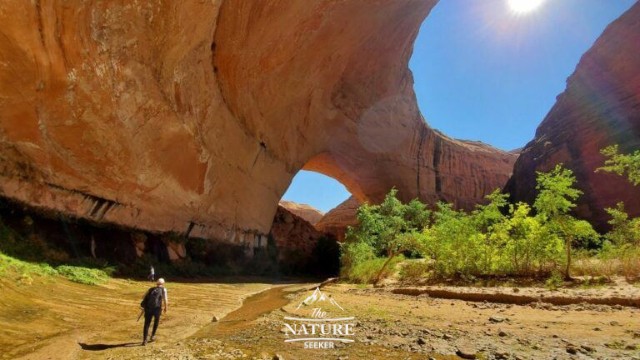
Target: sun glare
pixel 524 6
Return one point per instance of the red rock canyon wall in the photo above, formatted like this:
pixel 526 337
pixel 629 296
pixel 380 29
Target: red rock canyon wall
pixel 193 116
pixel 600 107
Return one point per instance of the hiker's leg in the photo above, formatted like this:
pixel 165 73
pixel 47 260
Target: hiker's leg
pixel 147 322
pixel 156 319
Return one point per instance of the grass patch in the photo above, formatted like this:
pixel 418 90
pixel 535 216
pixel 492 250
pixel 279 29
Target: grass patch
pixel 366 271
pixel 414 270
pixel 26 268
pixel 26 271
pixel 83 275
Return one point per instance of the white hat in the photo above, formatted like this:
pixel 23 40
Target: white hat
pixel 160 281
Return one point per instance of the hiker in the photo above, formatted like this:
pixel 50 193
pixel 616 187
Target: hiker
pixel 152 274
pixel 153 302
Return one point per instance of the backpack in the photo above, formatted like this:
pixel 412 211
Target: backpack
pixel 153 299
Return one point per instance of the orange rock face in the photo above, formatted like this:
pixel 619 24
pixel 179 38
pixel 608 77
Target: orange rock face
pixel 304 211
pixel 336 221
pixel 600 107
pixel 194 117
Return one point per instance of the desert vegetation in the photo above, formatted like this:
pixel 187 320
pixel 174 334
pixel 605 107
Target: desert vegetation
pixel 543 241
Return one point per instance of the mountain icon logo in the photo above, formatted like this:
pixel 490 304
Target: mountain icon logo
pixel 319 297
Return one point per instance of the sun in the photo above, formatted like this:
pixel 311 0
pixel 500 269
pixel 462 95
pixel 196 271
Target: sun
pixel 524 6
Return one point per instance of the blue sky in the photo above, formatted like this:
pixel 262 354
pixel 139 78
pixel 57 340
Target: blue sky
pixel 483 72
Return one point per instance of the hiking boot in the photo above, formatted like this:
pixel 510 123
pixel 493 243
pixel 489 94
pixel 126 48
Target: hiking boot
pixel 144 342
pixel 153 338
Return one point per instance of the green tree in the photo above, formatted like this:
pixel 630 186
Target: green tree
pixel 454 243
pixel 388 230
pixel 622 163
pixel 623 230
pixel 486 220
pixel 526 244
pixel 556 198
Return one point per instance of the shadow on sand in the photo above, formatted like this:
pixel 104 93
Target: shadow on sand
pixel 101 347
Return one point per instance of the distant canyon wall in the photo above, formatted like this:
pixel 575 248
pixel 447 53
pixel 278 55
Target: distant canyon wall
pixel 600 107
pixel 193 117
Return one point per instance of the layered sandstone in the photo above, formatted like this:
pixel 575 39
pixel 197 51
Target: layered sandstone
pixel 193 117
pixel 295 239
pixel 336 221
pixel 304 211
pixel 600 107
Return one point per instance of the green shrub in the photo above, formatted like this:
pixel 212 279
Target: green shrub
pixel 367 271
pixel 414 270
pixel 354 253
pixel 555 281
pixel 19 266
pixel 622 164
pixel 83 275
pixel 623 229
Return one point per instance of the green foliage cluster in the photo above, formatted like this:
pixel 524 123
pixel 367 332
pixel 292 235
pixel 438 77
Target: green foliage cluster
pixel 621 164
pixel 84 275
pixel 33 252
pixel 495 239
pixel 27 270
pixel 384 232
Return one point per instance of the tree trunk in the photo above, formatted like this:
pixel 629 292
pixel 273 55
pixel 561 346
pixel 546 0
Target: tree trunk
pixel 567 274
pixel 379 275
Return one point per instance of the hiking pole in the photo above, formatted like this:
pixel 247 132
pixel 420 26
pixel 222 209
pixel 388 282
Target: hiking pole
pixel 139 316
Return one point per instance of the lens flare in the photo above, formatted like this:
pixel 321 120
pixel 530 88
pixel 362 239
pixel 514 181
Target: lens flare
pixel 524 6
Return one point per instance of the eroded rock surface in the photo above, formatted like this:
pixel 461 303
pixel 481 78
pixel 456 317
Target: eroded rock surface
pixel 194 117
pixel 296 242
pixel 306 212
pixel 600 107
pixel 337 220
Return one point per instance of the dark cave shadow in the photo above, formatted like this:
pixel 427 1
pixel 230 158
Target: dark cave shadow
pixel 101 347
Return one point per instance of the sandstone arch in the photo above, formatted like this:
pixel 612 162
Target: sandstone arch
pixel 194 117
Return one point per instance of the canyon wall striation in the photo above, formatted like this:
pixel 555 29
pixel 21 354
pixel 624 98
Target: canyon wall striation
pixel 600 107
pixel 193 117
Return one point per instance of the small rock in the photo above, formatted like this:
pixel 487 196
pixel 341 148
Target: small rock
pixel 421 341
pixel 572 350
pixel 614 323
pixel 215 319
pixel 447 337
pixel 496 319
pixel 466 351
pixel 502 333
pixel 277 357
pixel 588 348
pixel 597 329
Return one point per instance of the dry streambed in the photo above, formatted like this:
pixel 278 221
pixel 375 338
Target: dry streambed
pixel 62 320
pixel 53 318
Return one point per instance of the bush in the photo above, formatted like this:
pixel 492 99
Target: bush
pixel 554 281
pixel 414 270
pixel 354 253
pixel 25 268
pixel 621 260
pixel 366 272
pixel 83 275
